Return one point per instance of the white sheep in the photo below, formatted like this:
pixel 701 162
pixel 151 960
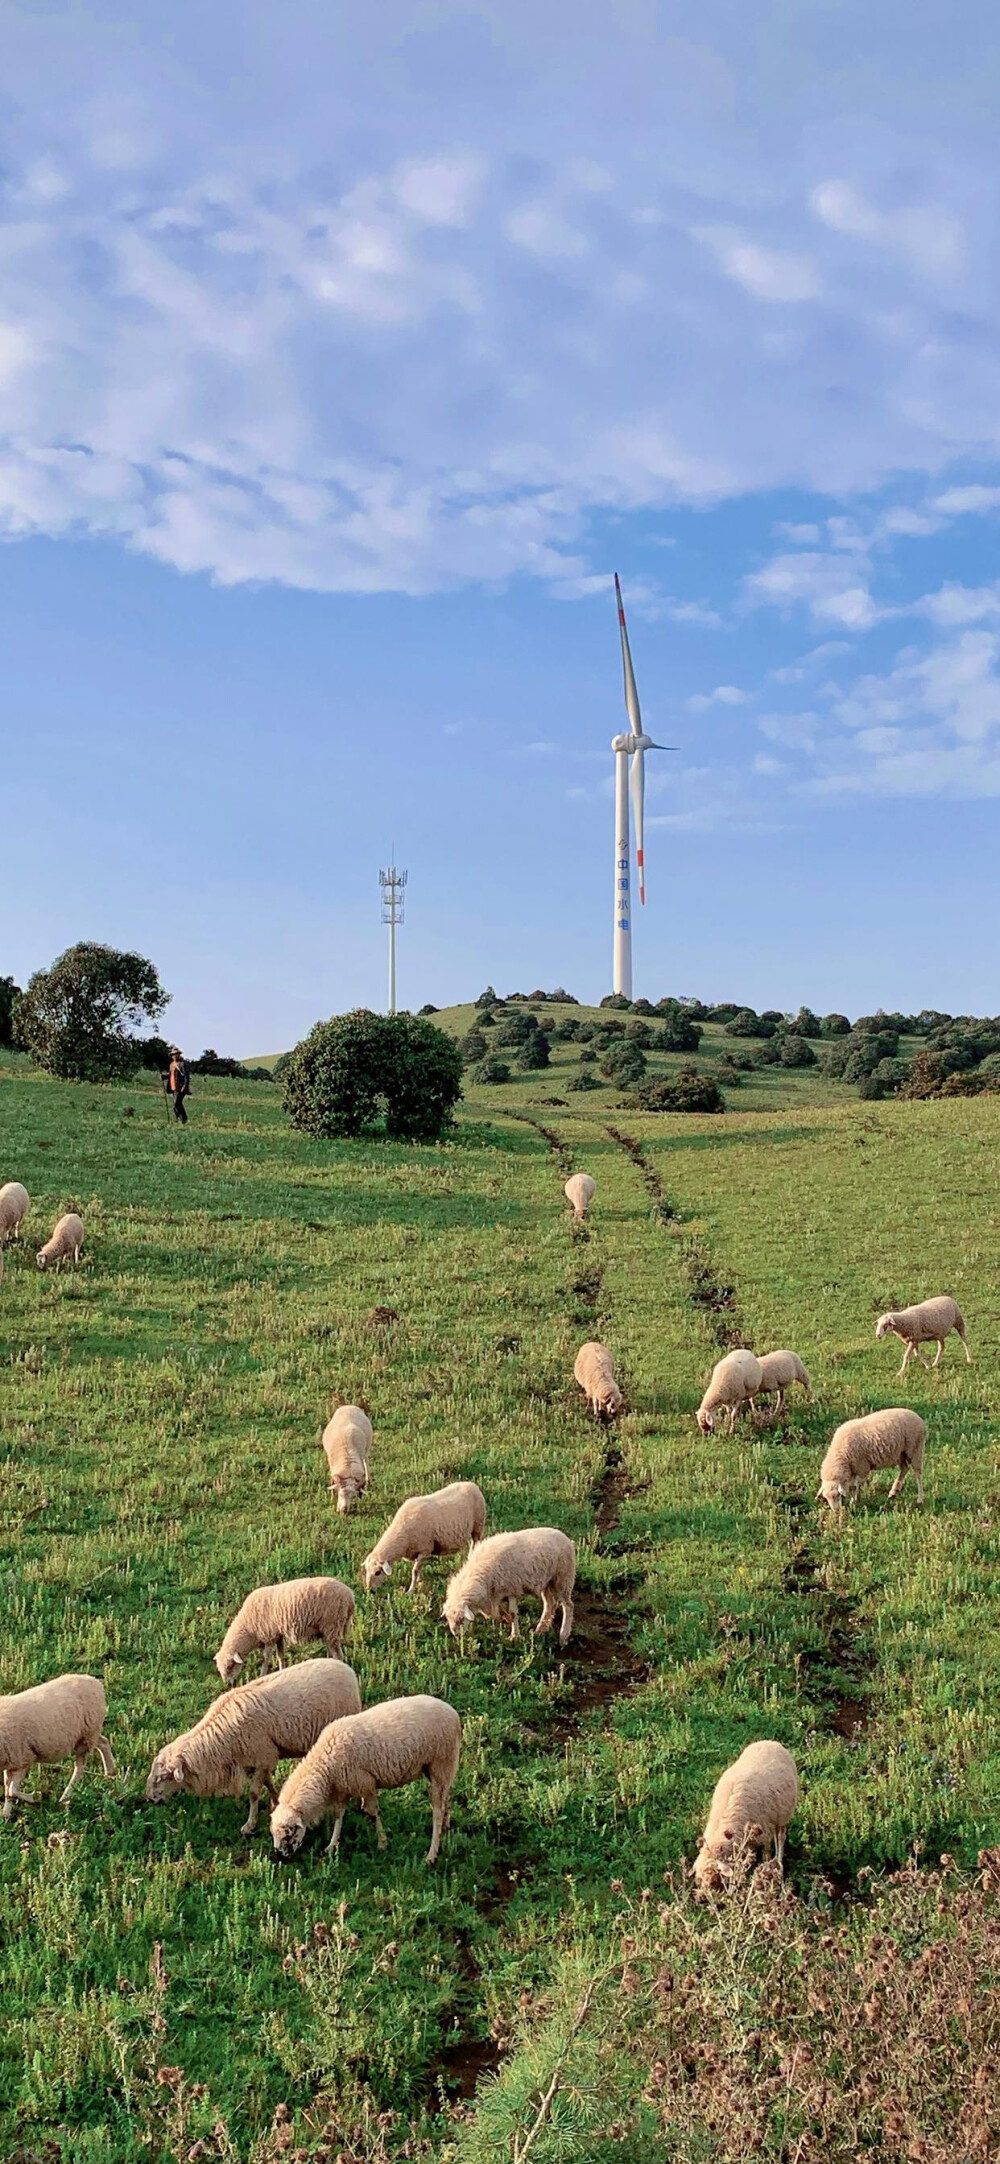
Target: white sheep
pixel 734 1382
pixel 347 1440
pixel 594 1370
pixel 386 1747
pixel 425 1525
pixel 927 1323
pixel 246 1731
pixel 61 1719
pixel 580 1190
pixel 66 1238
pixel 539 1560
pixel 779 1370
pixel 14 1203
pixel 291 1614
pixel 896 1436
pixel 751 1807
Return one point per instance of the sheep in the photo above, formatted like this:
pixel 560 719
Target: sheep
pixel 779 1370
pixel 246 1731
pixel 66 1238
pixel 347 1439
pixel 426 1525
pixel 931 1320
pixel 61 1719
pixel 734 1382
pixel 500 1570
pixel 14 1202
pixel 386 1747
pixel 896 1436
pixel 291 1614
pixel 594 1370
pixel 751 1806
pixel 580 1190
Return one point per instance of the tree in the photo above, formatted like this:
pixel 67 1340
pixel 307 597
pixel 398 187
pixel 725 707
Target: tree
pixel 747 1023
pixel 616 999
pixel 805 1023
pixel 474 1047
pixel 624 1064
pixel 491 1069
pixel 639 1033
pixel 350 1069
pixel 534 1052
pixel 79 1019
pixel 835 1025
pixel 487 998
pixel 679 1034
pixel 10 993
pixel 795 1051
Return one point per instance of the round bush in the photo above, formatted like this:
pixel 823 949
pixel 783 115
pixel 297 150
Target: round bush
pixel 474 1047
pixel 679 1034
pixel 534 1052
pixel 686 1092
pixel 355 1066
pixel 796 1051
pixel 584 1081
pixel 491 1069
pixel 588 1057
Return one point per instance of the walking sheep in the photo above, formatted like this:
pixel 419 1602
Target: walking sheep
pixel 734 1382
pixel 580 1190
pixel 751 1807
pixel 14 1203
pixel 66 1238
pixel 246 1731
pixel 502 1569
pixel 61 1719
pixel 860 1447
pixel 295 1613
pixel 779 1370
pixel 386 1747
pixel 425 1525
pixel 927 1323
pixel 594 1370
pixel 347 1440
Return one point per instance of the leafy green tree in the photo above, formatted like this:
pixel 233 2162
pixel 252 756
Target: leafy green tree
pixel 835 1025
pixel 356 1066
pixel 474 1047
pixel 534 1052
pixel 79 1019
pixel 624 1064
pixel 795 1051
pixel 10 993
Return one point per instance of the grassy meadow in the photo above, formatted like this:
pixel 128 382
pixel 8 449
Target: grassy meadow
pixel 169 1989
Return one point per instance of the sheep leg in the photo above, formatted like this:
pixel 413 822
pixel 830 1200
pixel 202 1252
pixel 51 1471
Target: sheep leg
pixel 79 1765
pixel 898 1482
pixel 779 1846
pixel 14 1793
pixel 418 1565
pixel 265 1661
pixel 279 1652
pixel 106 1756
pixel 548 1614
pixel 439 1807
pixel 338 1826
pixel 369 1805
pixel 936 1362
pixel 567 1621
pixel 909 1351
pixel 965 1343
pixel 257 1784
pixel 919 1478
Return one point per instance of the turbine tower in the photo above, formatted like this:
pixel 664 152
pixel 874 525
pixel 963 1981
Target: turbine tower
pixel 633 745
pixel 392 884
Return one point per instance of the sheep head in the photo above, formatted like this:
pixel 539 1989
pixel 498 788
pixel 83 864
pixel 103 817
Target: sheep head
pixel 288 1830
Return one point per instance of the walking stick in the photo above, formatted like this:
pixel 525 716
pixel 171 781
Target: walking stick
pixel 166 1097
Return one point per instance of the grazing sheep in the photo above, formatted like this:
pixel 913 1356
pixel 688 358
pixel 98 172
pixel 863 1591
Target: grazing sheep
pixel 925 1324
pixel 439 1524
pixel 246 1731
pixel 292 1614
pixel 896 1436
pixel 14 1202
pixel 386 1747
pixel 751 1807
pixel 594 1370
pixel 734 1382
pixel 779 1370
pixel 61 1719
pixel 580 1190
pixel 66 1238
pixel 500 1570
pixel 347 1439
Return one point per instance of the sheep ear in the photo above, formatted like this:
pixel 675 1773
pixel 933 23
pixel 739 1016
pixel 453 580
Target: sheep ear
pixel 180 1770
pixel 466 1615
pixel 819 1493
pixel 237 1660
pixel 387 1570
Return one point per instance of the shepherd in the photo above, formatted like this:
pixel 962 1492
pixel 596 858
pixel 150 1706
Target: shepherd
pixel 179 1082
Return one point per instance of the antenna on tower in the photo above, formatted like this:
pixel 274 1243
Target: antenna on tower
pixel 392 884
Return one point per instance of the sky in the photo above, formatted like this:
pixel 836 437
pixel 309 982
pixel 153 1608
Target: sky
pixel 344 356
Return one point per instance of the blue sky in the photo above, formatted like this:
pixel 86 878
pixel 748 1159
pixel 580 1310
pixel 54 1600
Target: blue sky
pixel 345 354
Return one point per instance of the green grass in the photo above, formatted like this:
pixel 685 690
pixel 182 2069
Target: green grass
pixel 161 1976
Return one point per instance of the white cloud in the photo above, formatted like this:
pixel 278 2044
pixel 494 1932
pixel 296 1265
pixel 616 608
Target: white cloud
pixel 723 695
pixel 960 604
pixel 956 502
pixel 930 238
pixel 930 726
pixel 770 274
pixel 801 534
pixel 832 588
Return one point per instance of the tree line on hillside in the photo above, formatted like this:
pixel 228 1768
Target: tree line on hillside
pixel 83 1019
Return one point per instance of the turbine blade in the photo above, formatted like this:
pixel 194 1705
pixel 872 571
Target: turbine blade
pixel 638 780
pixel 631 694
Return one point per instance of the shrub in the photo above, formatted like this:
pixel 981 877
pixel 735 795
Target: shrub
pixel 617 999
pixel 886 1080
pixel 643 1006
pixel 79 1018
pixel 805 1023
pixel 926 1075
pixel 834 1025
pixel 347 1069
pixel 218 1063
pixel 9 993
pixel 487 998
pixel 474 1047
pixel 515 1029
pixel 534 1052
pixel 487 1020
pixel 639 1033
pixel 427 1008
pixel 154 1054
pixel 724 1010
pixel 688 1091
pixel 565 1032
pixel 491 1069
pixel 746 1023
pixel 767 1054
pixel 624 1064
pixel 795 1051
pixel 562 998
pixel 586 1032
pixel 606 1033
pixel 588 1057
pixel 584 1082
pixel 679 1034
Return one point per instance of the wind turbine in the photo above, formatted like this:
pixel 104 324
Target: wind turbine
pixel 634 745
